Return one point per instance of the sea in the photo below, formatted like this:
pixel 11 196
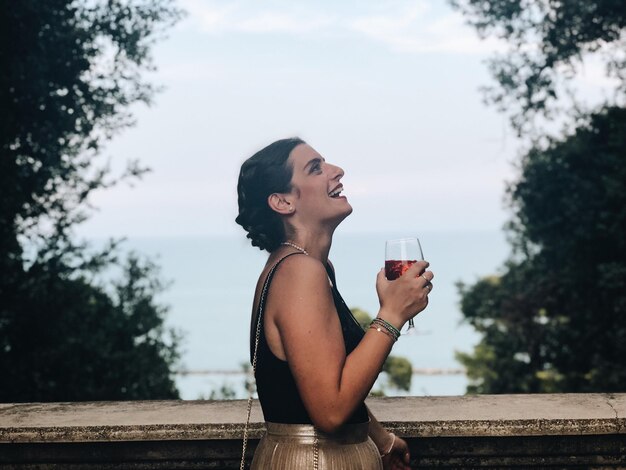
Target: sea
pixel 211 283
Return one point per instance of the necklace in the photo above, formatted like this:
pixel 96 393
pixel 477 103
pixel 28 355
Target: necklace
pixel 293 245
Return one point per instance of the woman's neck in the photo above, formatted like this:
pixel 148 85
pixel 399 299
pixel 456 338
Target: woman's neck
pixel 316 244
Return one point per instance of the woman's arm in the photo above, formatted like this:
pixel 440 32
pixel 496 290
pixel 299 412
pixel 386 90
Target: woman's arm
pixel 302 313
pixel 394 450
pixel 381 437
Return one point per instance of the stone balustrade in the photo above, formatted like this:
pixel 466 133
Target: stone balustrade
pixel 498 431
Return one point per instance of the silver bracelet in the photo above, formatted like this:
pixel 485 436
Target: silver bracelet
pixel 388 451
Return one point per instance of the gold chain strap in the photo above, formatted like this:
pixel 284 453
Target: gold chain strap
pixel 316 450
pixel 256 347
pixel 257 334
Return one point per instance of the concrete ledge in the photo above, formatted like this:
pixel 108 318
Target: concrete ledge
pixel 505 415
pixel 564 430
pixel 481 415
pixel 126 421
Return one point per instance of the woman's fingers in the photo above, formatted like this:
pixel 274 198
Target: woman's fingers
pixel 417 268
pixel 406 296
pixel 401 454
pixel 427 277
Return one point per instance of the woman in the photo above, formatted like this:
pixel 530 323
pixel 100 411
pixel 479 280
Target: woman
pixel 314 366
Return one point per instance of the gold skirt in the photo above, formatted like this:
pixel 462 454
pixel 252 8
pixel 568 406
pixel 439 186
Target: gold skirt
pixel 292 446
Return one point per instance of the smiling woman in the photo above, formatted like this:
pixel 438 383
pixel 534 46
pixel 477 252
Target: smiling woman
pixel 313 363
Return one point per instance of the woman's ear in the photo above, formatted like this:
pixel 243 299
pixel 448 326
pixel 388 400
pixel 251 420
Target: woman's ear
pixel 279 203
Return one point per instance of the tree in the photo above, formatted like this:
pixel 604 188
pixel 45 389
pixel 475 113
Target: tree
pixel 70 70
pixel 555 320
pixel 66 339
pixel 548 41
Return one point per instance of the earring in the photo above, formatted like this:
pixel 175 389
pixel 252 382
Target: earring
pixel 290 208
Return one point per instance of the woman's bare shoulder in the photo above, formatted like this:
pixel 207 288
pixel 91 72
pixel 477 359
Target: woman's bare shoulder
pixel 301 268
pixel 301 290
pixel 301 280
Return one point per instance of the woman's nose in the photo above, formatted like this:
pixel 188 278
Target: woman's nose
pixel 336 172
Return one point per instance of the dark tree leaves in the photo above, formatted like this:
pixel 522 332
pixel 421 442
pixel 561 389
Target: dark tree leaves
pixel 547 39
pixel 66 339
pixel 69 72
pixel 555 319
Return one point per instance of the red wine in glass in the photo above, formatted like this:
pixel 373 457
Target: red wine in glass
pixel 394 268
pixel 400 254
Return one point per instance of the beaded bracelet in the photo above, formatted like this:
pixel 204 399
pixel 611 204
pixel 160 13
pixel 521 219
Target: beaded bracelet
pixel 387 325
pixel 385 328
pixel 393 332
pixel 384 331
pixel 381 325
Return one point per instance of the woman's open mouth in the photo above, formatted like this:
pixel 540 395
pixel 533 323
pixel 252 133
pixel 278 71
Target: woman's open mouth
pixel 336 192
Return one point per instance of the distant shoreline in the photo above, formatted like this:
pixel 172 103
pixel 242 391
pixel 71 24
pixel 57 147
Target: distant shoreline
pixel 416 371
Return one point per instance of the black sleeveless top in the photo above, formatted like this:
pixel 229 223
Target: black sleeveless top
pixel 278 393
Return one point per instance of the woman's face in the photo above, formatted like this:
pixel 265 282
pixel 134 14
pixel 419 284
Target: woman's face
pixel 316 184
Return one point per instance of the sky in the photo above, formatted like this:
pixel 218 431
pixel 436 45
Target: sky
pixel 387 90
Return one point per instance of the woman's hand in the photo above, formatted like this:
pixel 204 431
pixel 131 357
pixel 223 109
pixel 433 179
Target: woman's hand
pixel 398 457
pixel 406 296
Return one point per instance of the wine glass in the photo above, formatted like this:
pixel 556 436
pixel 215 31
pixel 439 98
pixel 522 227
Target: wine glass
pixel 400 254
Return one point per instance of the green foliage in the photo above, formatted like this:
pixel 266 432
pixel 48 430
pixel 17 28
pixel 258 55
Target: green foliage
pixel 70 70
pixel 481 370
pixel 399 371
pixel 66 339
pixel 225 392
pixel 249 382
pixel 584 178
pixel 555 319
pixel 547 41
pixel 361 316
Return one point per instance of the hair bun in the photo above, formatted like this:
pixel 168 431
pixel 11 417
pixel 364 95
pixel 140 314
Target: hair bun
pixel 265 173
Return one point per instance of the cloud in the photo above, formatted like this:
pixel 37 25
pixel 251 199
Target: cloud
pixel 206 17
pixel 443 184
pixel 191 71
pixel 282 23
pixel 405 27
pixel 414 30
pixel 212 17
